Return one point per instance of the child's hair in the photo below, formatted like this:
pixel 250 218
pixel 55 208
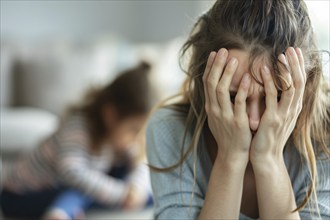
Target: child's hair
pixel 265 29
pixel 130 94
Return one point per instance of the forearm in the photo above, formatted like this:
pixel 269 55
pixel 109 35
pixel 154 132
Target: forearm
pixel 140 179
pixel 275 194
pixel 224 192
pixel 97 185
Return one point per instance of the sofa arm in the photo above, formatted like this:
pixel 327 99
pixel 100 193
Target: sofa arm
pixel 23 128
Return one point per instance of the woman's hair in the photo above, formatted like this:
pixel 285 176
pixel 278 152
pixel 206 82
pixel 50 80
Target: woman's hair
pixel 130 94
pixel 264 29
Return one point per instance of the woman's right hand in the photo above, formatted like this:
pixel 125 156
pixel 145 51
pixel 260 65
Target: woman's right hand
pixel 228 122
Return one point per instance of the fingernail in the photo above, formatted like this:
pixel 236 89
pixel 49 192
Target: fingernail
pixel 213 53
pixel 266 70
pixel 222 52
pixel 291 50
pixel 298 51
pixel 283 59
pixel 246 78
pixel 233 61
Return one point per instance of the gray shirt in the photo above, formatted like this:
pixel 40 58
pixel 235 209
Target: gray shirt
pixel 179 196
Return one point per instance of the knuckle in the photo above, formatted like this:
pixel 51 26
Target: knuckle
pixel 229 69
pixel 299 83
pixel 291 91
pixel 295 64
pixel 221 90
pixel 207 109
pixel 214 110
pixel 209 81
pixel 239 122
pixel 299 93
pixel 221 99
pixel 273 91
pixel 274 121
pixel 204 78
pixel 239 101
pixel 226 116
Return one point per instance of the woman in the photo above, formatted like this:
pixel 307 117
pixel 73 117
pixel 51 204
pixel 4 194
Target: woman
pixel 250 137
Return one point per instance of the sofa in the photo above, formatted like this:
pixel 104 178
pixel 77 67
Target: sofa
pixel 39 80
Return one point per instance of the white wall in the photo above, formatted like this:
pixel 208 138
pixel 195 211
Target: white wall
pixel 136 20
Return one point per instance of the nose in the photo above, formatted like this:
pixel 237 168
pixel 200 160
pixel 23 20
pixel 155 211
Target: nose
pixel 254 112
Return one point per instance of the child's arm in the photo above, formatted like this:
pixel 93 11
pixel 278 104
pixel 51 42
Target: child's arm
pixel 74 170
pixel 140 188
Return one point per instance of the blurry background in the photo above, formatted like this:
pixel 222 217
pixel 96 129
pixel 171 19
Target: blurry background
pixel 51 51
pixel 86 39
pixel 139 21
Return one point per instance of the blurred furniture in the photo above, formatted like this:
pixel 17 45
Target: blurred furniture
pixel 39 80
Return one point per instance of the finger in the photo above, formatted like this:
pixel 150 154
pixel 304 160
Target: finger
pixel 288 89
pixel 240 99
pixel 302 63
pixel 224 84
pixel 209 64
pixel 214 76
pixel 270 89
pixel 297 76
pixel 294 64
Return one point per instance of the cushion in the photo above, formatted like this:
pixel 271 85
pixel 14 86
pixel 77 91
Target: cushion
pixel 22 129
pixel 53 77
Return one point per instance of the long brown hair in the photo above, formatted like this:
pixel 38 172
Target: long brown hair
pixel 130 94
pixel 264 28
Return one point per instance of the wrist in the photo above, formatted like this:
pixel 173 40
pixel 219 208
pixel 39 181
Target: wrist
pixel 267 164
pixel 233 164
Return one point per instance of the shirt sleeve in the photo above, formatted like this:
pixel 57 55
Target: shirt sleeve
pixel 140 178
pixel 322 191
pixel 175 195
pixel 74 168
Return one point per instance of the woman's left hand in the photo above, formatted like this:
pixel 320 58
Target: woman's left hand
pixel 279 118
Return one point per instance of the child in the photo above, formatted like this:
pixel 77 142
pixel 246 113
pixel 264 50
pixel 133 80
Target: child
pixel 250 138
pixel 67 173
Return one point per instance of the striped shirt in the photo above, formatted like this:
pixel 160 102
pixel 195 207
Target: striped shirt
pixel 64 159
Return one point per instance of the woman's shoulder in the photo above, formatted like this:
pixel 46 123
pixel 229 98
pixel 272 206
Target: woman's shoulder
pixel 165 132
pixel 169 120
pixel 296 160
pixel 299 171
pixel 167 114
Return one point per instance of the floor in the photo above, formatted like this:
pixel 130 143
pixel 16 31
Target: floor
pixel 146 214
